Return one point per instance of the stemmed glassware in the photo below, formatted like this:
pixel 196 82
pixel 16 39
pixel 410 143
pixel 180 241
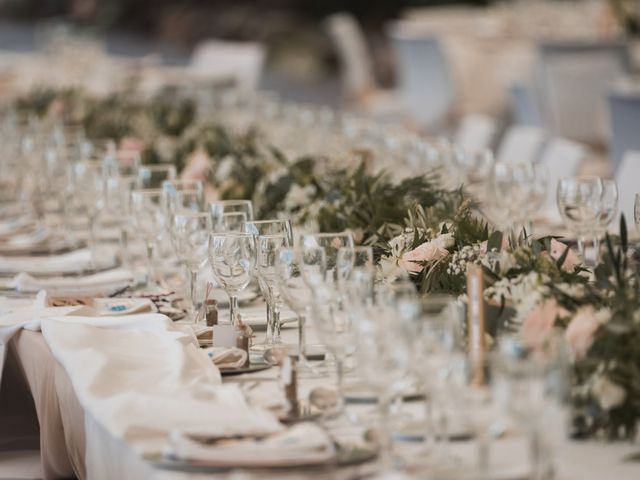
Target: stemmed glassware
pixel 171 189
pixel 152 176
pixel 332 243
pixel 607 212
pixel 294 273
pixel 232 256
pixel 149 219
pixel 268 246
pixel 191 234
pixel 284 233
pixel 230 222
pixel 218 209
pixel 580 203
pixel 514 193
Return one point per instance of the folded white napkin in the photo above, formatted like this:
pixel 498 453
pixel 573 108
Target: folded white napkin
pixel 72 262
pixel 14 225
pixel 95 285
pixel 227 357
pixel 302 444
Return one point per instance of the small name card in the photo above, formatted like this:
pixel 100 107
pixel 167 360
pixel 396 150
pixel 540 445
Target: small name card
pixel 224 336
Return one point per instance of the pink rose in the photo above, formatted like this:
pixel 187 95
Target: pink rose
pixel 197 167
pixel 539 323
pixel 557 250
pixel 428 251
pixel 581 330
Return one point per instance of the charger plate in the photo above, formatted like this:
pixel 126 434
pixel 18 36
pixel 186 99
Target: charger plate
pixel 346 455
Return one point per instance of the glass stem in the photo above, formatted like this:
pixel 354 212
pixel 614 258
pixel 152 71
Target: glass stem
pixel 339 382
pixel 233 309
pixel 193 277
pixel 582 249
pixel 541 465
pixel 302 341
pixel 150 272
pixel 484 455
pixel 269 338
pixel 386 439
pixel 276 324
pixel 596 248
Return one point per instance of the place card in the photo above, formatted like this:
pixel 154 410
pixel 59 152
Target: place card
pixel 476 321
pixel 224 336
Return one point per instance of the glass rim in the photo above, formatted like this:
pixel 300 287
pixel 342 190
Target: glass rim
pixel 231 234
pixel 262 222
pixel 230 202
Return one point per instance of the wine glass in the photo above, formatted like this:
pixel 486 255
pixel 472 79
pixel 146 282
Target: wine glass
pixel 217 209
pixel 432 326
pixel 511 189
pixel 232 256
pixel 172 188
pixel 191 234
pixel 533 386
pixel 335 326
pixel 269 228
pixel 230 222
pixel 608 211
pixel 290 269
pixel 350 259
pixel 579 201
pixel 152 176
pixel 332 243
pixel 268 246
pixel 149 220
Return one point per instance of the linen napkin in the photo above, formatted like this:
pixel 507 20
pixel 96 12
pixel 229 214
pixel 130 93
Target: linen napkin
pixel 95 285
pixel 72 262
pixel 142 376
pixel 227 357
pixel 303 444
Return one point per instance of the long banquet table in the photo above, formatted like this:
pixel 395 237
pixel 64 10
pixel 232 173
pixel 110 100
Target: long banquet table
pixel 75 443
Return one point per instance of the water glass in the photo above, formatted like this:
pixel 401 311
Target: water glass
pixel 232 256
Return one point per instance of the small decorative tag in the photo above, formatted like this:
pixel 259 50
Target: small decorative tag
pixel 224 336
pixel 476 321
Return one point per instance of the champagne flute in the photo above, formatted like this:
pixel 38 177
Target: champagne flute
pixel 232 256
pixel 152 176
pixel 191 233
pixel 149 220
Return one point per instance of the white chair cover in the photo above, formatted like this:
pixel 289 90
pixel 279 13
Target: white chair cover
pixel 572 81
pixel 357 72
pixel 521 144
pixel 624 110
pixel 628 180
pixel 476 132
pixel 243 61
pixel 562 158
pixel 524 105
pixel 424 77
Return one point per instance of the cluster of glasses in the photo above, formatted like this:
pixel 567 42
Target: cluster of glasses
pixel 302 129
pixel 396 341
pixel 588 205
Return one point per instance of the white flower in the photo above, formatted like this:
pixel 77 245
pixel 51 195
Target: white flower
pixel 389 268
pixel 225 169
pixel 608 394
pixel 445 240
pixel 298 196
